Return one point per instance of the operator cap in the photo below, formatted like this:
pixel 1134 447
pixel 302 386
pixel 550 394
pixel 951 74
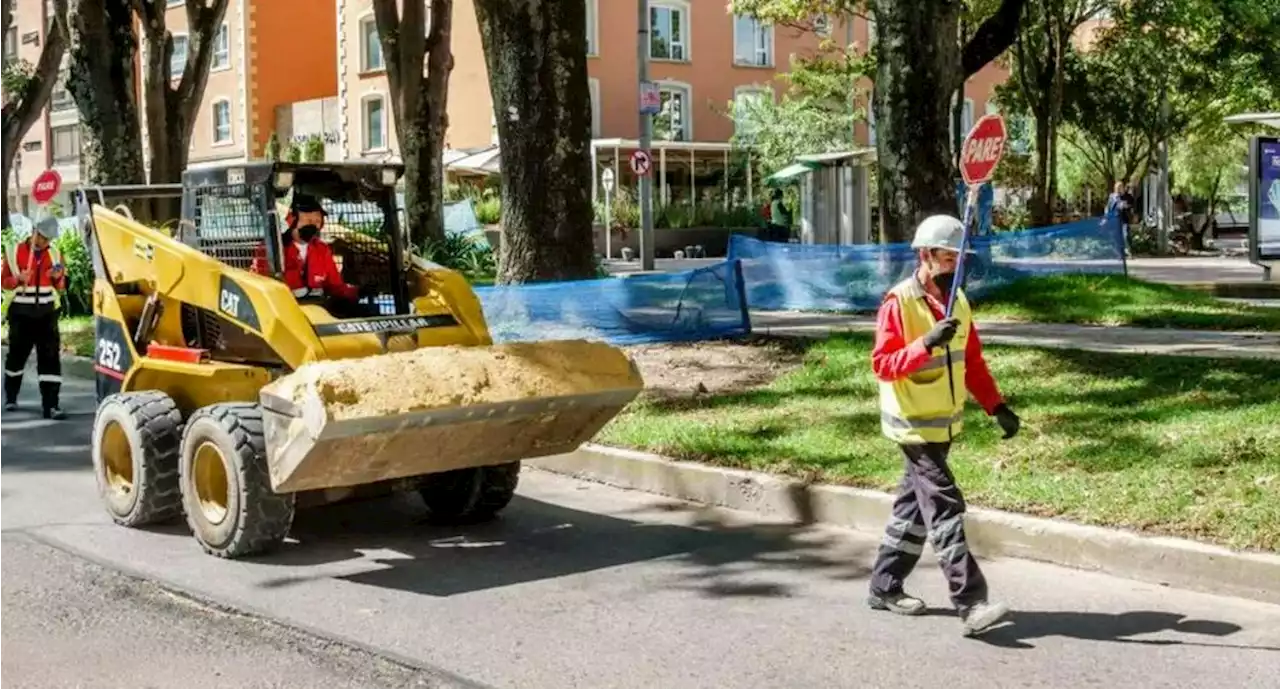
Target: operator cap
pixel 48 228
pixel 940 232
pixel 306 203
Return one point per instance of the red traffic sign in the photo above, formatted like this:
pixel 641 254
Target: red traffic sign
pixel 46 186
pixel 641 163
pixel 982 149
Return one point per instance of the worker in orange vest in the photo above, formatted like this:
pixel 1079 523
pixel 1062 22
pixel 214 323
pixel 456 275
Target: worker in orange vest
pixel 35 273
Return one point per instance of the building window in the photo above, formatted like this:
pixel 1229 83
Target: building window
pixel 11 43
pixel 370 46
pixel 222 122
pixel 673 121
pixel 669 30
pixel 375 124
pixel 746 103
pixel 178 61
pixel 752 42
pixel 592 29
pixel 594 86
pixel 66 144
pixel 221 49
pixel 60 98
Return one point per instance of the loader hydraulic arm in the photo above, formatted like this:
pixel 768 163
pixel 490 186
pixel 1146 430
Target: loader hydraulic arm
pixel 131 258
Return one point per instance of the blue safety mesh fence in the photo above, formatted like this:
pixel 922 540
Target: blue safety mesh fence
pixel 698 304
pixel 806 277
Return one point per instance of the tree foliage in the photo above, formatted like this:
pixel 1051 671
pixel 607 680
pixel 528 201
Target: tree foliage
pixel 815 113
pixel 27 88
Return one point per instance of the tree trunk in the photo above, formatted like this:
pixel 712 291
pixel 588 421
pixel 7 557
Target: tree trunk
pixel 914 82
pixel 419 105
pixel 536 55
pixel 104 86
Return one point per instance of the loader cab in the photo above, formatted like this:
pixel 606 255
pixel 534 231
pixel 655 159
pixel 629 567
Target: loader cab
pixel 236 214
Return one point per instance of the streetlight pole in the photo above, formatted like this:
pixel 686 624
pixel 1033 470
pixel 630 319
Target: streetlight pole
pixel 646 138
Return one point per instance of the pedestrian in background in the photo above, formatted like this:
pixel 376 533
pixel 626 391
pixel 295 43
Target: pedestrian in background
pixel 35 274
pixel 927 366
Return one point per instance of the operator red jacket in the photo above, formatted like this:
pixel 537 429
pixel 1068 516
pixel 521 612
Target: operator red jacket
pixel 40 290
pixel 893 357
pixel 318 271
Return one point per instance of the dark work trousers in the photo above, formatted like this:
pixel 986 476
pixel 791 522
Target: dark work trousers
pixel 38 330
pixel 929 504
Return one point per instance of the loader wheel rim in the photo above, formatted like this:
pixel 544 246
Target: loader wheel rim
pixel 209 473
pixel 117 459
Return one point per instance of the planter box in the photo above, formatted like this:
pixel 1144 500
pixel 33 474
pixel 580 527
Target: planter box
pixel 667 241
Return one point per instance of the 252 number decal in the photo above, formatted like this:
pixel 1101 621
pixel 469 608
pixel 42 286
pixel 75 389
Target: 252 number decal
pixel 109 354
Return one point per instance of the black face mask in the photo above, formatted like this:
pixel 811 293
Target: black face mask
pixel 308 232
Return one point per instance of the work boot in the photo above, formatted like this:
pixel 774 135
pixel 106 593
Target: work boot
pixel 54 413
pixel 898 603
pixel 979 617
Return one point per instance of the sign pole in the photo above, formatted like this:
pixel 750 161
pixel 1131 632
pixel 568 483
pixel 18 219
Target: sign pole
pixel 646 138
pixel 983 147
pixel 607 179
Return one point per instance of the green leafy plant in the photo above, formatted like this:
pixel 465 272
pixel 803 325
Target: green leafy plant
pixel 462 253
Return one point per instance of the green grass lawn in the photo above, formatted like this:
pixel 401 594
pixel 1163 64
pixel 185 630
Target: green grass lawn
pixel 1119 300
pixel 1175 445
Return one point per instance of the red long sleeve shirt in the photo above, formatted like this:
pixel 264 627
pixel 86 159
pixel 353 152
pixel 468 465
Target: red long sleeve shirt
pixel 894 358
pixel 318 271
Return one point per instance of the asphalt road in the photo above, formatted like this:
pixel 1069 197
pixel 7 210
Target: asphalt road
pixel 580 585
pixel 72 623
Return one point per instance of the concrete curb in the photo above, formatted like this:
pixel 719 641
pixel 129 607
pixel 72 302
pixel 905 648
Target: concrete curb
pixel 1166 561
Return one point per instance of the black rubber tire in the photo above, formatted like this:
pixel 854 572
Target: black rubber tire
pixel 469 495
pixel 152 426
pixel 257 518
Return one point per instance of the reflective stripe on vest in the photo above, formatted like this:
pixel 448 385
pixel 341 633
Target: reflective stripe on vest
pixel 31 294
pixel 928 404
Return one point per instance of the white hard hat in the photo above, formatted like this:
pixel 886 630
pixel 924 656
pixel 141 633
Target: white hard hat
pixel 939 232
pixel 48 227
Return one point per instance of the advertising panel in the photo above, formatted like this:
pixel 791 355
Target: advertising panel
pixel 1264 199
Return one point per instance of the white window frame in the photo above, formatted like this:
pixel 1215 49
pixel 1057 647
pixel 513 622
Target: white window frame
pixel 739 91
pixel 221 52
pixel 686 42
pixel 593 85
pixel 186 55
pixel 759 30
pixel 365 100
pixel 670 85
pixel 593 28
pixel 365 68
pixel 213 117
pixel 76 137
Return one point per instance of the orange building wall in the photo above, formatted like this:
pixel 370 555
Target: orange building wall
pixel 292 55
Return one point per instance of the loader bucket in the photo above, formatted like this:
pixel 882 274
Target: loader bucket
pixel 345 423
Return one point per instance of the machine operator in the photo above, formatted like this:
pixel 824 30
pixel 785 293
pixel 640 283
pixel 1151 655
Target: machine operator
pixel 309 268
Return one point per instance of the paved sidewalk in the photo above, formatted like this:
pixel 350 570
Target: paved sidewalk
pixel 1244 345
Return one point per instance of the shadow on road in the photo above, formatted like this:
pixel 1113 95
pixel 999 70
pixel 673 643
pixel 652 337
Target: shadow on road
pixel 33 443
pixel 1119 628
pixel 535 540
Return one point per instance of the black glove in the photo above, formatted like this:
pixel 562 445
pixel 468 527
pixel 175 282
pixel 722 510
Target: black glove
pixel 1008 421
pixel 941 333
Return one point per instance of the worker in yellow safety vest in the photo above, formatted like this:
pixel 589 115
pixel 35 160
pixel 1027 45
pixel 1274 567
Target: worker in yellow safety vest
pixel 33 276
pixel 927 366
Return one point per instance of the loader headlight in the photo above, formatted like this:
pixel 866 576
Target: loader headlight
pixel 389 176
pixel 284 179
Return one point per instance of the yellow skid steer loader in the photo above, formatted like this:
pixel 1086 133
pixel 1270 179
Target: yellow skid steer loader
pixel 227 396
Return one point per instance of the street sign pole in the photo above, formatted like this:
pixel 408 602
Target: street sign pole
pixel 981 152
pixel 646 138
